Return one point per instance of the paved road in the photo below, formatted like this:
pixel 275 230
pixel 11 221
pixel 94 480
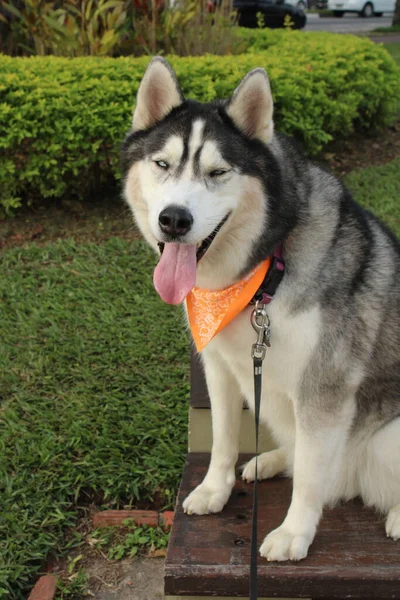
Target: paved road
pixel 347 24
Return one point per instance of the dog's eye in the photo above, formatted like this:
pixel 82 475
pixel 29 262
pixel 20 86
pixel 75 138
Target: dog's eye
pixel 217 173
pixel 162 164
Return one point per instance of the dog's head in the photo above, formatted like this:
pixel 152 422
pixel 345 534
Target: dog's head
pixel 194 178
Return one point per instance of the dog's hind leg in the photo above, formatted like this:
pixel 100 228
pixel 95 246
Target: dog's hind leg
pixel 379 475
pixel 277 413
pixel 321 437
pixel 393 523
pixel 226 408
pixel 269 464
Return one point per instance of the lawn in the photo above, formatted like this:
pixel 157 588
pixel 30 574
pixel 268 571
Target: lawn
pixel 94 387
pixel 378 189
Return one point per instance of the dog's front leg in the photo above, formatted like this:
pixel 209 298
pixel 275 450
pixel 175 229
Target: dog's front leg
pixel 319 449
pixel 226 408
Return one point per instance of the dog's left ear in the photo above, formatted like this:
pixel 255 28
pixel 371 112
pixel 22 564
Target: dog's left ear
pixel 251 106
pixel 158 94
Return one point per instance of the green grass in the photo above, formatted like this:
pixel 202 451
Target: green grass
pixel 378 189
pixel 75 587
pixel 391 29
pixel 94 386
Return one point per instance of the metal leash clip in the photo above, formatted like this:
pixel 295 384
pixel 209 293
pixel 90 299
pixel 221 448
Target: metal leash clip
pixel 261 324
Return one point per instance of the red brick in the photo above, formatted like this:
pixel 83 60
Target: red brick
pixel 44 589
pixel 167 518
pixel 110 518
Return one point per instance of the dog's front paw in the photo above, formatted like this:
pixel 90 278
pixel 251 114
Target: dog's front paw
pixel 204 500
pixel 393 523
pixel 282 544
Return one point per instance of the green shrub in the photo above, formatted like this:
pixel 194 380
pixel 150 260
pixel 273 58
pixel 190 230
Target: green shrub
pixel 62 120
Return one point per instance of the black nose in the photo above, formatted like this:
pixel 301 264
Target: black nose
pixel 175 220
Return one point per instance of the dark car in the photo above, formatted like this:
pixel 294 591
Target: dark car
pixel 274 13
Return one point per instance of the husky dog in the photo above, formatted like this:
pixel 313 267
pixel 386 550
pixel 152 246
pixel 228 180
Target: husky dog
pixel 219 190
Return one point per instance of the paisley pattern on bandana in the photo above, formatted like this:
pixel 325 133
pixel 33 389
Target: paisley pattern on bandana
pixel 210 311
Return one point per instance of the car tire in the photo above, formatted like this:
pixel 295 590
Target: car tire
pixel 338 13
pixel 378 14
pixel 368 11
pixel 301 5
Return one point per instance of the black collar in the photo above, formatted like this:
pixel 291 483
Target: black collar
pixel 272 279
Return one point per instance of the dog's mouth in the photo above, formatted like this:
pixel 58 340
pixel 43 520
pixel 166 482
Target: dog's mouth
pixel 205 244
pixel 175 274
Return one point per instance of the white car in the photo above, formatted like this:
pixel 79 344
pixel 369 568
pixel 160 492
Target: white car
pixel 365 8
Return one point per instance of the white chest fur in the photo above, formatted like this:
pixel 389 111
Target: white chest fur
pixel 293 340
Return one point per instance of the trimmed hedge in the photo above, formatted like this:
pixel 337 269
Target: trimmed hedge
pixel 62 120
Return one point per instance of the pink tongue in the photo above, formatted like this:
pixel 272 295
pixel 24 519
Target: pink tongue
pixel 175 275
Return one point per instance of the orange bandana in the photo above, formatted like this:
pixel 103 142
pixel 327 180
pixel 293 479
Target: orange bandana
pixel 209 312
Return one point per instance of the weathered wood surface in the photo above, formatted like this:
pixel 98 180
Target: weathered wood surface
pixel 209 555
pixel 199 397
pixel 198 388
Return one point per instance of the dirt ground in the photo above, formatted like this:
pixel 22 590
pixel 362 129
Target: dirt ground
pixel 138 578
pixel 360 152
pixel 130 579
pixel 92 222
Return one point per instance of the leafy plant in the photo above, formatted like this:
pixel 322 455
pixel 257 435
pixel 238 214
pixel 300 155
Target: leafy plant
pixel 288 22
pixel 188 28
pixel 129 540
pixel 115 27
pixel 95 27
pixel 260 20
pixel 73 586
pixel 147 25
pixel 36 26
pixel 74 28
pixel 191 28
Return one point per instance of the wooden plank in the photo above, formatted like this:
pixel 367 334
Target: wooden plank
pixel 198 387
pixel 199 397
pixel 209 555
pixel 200 432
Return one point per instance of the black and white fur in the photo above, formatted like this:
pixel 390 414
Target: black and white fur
pixel 331 379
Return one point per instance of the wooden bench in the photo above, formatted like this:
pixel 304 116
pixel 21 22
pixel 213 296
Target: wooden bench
pixel 200 433
pixel 208 556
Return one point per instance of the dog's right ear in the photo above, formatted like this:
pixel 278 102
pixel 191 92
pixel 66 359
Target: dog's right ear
pixel 158 94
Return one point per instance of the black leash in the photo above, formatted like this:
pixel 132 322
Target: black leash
pixel 261 323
